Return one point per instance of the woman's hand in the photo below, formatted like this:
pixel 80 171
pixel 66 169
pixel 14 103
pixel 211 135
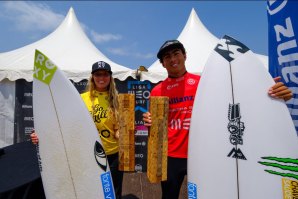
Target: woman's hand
pixel 117 134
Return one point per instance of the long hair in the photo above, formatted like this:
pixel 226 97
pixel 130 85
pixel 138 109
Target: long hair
pixel 113 95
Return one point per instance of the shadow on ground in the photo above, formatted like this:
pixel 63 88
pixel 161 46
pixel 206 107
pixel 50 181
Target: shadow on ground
pixel 137 186
pixel 130 196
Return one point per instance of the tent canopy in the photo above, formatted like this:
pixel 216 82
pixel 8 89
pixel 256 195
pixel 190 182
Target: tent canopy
pixel 69 48
pixel 198 43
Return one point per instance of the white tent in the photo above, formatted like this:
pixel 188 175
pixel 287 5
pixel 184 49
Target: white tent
pixel 198 42
pixel 69 48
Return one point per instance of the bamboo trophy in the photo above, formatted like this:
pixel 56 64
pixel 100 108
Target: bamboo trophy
pixel 158 140
pixel 126 132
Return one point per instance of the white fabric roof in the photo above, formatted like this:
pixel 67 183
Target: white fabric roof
pixel 68 47
pixel 198 43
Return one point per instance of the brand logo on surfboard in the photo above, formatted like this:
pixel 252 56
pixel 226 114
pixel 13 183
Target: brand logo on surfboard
pixel 44 68
pixel 107 185
pixel 100 156
pixel 236 128
pixel 288 166
pixel 192 190
pixel 39 158
pixel 230 48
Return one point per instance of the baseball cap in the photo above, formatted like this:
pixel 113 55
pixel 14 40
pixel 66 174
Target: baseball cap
pixel 168 45
pixel 101 65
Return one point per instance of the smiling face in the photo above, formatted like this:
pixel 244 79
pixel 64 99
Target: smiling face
pixel 174 61
pixel 101 80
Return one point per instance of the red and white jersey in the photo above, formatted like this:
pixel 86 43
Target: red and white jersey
pixel 181 92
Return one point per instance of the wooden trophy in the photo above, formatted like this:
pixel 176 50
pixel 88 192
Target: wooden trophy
pixel 158 140
pixel 126 132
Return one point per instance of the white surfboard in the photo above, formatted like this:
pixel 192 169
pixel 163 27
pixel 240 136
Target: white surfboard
pixel 72 161
pixel 242 143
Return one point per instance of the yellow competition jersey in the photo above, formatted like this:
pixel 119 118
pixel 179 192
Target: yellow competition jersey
pixel 105 122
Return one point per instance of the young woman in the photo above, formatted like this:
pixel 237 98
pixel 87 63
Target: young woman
pixel 101 101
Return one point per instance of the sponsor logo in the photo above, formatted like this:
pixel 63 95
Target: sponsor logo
pixel 28 130
pixel 101 64
pixel 99 113
pixel 26 106
pixel 141 90
pixel 192 190
pixel 140 143
pixel 44 69
pixel 191 81
pixel 138 167
pixel 290 188
pixel 28 118
pixel 274 7
pixel 139 123
pixel 107 185
pixel 176 100
pixel 140 155
pixel 100 156
pixel 82 83
pixel 169 87
pixel 140 94
pixel 142 133
pixel 105 133
pixel 236 153
pixel 236 128
pixel 28 94
pixel 230 48
pixel 288 166
pixel 180 124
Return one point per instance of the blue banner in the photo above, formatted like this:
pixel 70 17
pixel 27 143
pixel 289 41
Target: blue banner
pixel 283 50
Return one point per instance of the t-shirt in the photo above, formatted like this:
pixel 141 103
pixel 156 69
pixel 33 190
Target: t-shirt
pixel 103 119
pixel 181 92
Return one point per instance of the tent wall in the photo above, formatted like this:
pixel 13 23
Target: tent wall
pixel 7 104
pixel 23 117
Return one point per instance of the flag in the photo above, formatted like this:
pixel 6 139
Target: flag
pixel 283 48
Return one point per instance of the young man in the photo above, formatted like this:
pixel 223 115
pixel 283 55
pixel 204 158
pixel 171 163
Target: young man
pixel 183 85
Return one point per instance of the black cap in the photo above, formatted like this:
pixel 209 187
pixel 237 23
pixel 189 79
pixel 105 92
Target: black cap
pixel 101 65
pixel 168 45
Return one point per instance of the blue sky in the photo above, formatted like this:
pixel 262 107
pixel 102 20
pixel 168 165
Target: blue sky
pixel 131 32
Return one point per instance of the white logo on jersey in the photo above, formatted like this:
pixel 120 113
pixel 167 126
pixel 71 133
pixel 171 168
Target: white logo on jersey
pixel 177 124
pixel 191 81
pixel 169 87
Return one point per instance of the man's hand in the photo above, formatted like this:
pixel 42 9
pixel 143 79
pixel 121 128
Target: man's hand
pixel 279 90
pixel 34 138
